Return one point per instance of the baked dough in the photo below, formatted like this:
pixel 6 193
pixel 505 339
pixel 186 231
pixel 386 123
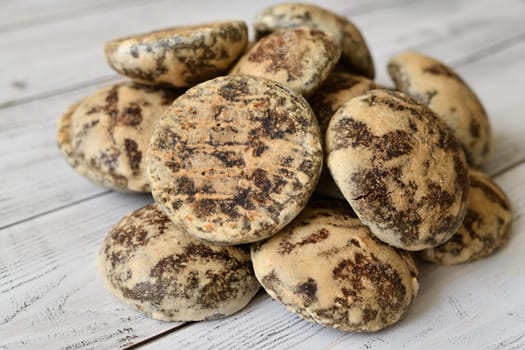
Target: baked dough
pixel 327 267
pixel 400 168
pixel 157 269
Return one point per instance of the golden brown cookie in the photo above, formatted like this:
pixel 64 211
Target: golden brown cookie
pixel 235 159
pixel 439 87
pixel 338 88
pixel 400 167
pixel 180 56
pixel 105 136
pixel 327 267
pixel 299 58
pixel 485 228
pixel 355 53
pixel 150 264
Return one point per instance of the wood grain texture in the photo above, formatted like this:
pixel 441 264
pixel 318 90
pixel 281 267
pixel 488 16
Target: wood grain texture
pixel 71 43
pixel 51 292
pixel 22 14
pixel 449 31
pixel 34 178
pixel 498 79
pixel 27 131
pixel 41 58
pixel 472 306
pixel 53 220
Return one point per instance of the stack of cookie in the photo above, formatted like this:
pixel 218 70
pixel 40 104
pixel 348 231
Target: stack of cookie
pixel 232 139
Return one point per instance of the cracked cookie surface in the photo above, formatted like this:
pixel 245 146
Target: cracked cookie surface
pixel 180 56
pixel 150 264
pixel 484 229
pixel 352 282
pixel 354 50
pixel 439 87
pixel 299 58
pixel 400 167
pixel 105 136
pixel 235 159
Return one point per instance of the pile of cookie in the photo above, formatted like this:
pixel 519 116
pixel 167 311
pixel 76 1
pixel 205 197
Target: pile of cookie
pixel 232 139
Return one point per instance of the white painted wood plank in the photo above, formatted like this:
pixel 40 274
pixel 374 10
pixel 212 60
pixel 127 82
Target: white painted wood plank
pixel 447 30
pixel 27 127
pixel 34 178
pixel 498 78
pixel 499 81
pixel 17 14
pixel 472 306
pixel 50 291
pixel 42 58
pixel 64 47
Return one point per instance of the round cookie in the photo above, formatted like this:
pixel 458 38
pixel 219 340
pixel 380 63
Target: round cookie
pixel 235 159
pixel 337 89
pixel 180 56
pixel 105 136
pixel 154 267
pixel 485 228
pixel 355 53
pixel 362 284
pixel 436 85
pixel 400 167
pixel 299 58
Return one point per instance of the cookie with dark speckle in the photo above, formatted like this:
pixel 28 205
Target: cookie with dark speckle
pixel 338 88
pixel 400 167
pixel 105 136
pixel 235 159
pixel 157 269
pixel 485 228
pixel 180 56
pixel 355 53
pixel 299 58
pixel 327 267
pixel 439 87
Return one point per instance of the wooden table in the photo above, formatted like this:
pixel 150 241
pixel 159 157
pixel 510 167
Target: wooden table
pixel 52 221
